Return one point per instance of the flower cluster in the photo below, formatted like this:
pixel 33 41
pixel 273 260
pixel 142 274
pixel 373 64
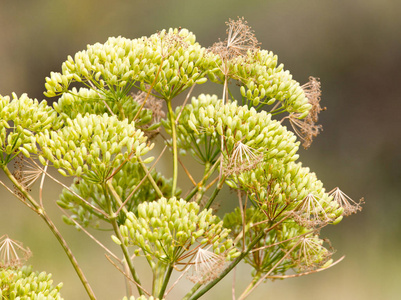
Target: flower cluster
pixel 170 61
pixel 92 145
pixel 109 107
pixel 167 228
pixel 210 117
pixel 24 284
pixel 276 187
pixel 20 119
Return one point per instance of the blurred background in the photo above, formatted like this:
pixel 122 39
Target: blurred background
pixel 354 47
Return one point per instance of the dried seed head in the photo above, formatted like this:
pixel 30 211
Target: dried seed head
pixel 243 158
pixel 311 213
pixel 350 206
pixel 12 254
pixel 306 128
pixel 207 266
pixel 312 254
pixel 313 92
pixel 156 106
pixel 240 40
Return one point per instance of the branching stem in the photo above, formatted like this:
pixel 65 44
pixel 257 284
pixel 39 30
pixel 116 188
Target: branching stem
pixel 41 212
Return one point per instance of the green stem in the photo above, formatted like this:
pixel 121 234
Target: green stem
pixel 113 220
pixel 192 291
pixel 251 285
pixel 204 179
pixel 229 268
pixel 41 212
pixel 215 192
pixel 152 181
pixel 166 280
pixel 158 276
pixel 175 153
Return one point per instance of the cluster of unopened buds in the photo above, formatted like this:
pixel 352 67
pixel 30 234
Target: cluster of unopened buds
pixel 101 129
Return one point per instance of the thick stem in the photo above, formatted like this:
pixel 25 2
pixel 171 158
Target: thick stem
pixel 175 152
pixel 192 291
pixel 165 281
pixel 41 212
pixel 70 255
pixel 158 275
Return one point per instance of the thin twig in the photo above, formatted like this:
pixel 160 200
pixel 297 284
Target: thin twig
pixel 42 181
pixel 73 192
pixel 233 286
pixel 187 172
pixel 175 283
pixel 91 236
pixel 140 183
pixel 127 276
pixel 183 105
pixel 243 296
pixel 18 197
pixel 243 218
pixel 211 183
pixel 306 273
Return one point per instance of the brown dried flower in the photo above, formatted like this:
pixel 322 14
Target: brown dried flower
pixel 26 172
pixel 311 253
pixel 153 104
pixel 306 128
pixel 243 158
pixel 240 40
pixel 310 213
pixel 12 254
pixel 350 206
pixel 207 266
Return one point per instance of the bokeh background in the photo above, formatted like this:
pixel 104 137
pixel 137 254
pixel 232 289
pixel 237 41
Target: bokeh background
pixel 353 46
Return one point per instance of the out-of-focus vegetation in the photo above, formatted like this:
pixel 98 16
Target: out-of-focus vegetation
pixel 353 46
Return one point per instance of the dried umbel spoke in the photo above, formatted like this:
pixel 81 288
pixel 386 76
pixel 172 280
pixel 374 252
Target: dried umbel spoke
pixel 306 128
pixel 12 254
pixel 240 40
pixel 311 253
pixel 243 158
pixel 207 266
pixel 155 105
pixel 350 206
pixel 26 172
pixel 311 213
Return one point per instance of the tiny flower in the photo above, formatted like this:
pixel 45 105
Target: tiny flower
pixel 349 205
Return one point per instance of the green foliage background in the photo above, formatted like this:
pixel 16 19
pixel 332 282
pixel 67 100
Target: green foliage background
pixel 353 46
